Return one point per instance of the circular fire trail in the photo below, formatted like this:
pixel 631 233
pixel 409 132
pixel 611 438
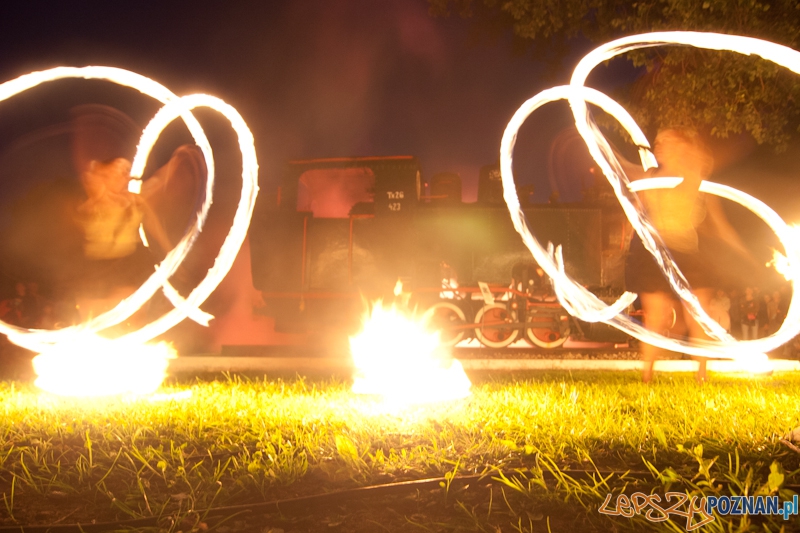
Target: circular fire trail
pixel 79 345
pixel 580 302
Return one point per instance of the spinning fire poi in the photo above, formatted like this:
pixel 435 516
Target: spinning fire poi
pixel 580 302
pixel 70 357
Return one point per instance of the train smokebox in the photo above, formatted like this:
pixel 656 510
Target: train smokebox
pixel 446 188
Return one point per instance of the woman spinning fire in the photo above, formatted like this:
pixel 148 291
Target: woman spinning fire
pixel 694 228
pixel 118 256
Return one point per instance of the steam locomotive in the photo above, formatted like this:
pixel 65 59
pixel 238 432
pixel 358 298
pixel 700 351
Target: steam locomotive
pixel 336 232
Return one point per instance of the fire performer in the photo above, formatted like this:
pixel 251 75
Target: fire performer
pixel 110 218
pixel 694 228
pixel 116 258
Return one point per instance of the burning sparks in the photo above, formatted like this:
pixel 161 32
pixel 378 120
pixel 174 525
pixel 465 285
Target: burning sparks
pixel 781 263
pixel 397 358
pixel 583 304
pixel 108 359
pixel 94 366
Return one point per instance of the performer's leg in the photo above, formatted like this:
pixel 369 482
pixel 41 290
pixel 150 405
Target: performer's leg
pixel 696 330
pixel 658 316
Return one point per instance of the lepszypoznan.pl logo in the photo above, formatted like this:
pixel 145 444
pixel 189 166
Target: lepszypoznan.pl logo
pixel 698 511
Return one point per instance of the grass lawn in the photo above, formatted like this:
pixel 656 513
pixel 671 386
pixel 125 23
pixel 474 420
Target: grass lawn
pixel 240 442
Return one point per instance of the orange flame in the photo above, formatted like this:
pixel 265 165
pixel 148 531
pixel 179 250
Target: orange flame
pixel 94 366
pixel 397 358
pixel 781 264
pixel 756 364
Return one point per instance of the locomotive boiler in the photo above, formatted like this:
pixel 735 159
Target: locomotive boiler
pixel 337 232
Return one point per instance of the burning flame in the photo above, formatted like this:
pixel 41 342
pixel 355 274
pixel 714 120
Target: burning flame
pixel 756 364
pixel 781 264
pixel 397 358
pixel 93 366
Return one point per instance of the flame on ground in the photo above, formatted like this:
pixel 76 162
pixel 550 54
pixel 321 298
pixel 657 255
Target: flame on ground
pixel 756 364
pixel 96 366
pixel 397 358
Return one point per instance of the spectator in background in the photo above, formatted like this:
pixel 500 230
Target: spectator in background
pixel 786 296
pixel 33 305
pixel 781 309
pixel 764 300
pixel 11 309
pixel 771 309
pixel 26 308
pixel 720 309
pixel 748 315
pixel 735 298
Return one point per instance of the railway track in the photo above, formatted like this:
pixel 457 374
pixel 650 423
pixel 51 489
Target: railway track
pixel 293 360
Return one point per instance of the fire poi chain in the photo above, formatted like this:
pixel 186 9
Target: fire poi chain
pixel 76 341
pixel 581 303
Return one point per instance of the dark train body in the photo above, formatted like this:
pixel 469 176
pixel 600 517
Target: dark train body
pixel 337 231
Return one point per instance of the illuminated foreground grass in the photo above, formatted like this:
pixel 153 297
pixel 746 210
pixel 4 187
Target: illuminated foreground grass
pixel 237 441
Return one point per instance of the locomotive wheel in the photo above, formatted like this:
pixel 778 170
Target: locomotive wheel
pixel 443 317
pixel 490 329
pixel 547 337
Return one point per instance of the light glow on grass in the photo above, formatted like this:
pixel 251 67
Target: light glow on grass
pixel 92 366
pixel 169 396
pixel 580 302
pixel 397 358
pixel 238 441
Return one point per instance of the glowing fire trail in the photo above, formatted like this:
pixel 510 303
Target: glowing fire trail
pixel 81 338
pixel 582 303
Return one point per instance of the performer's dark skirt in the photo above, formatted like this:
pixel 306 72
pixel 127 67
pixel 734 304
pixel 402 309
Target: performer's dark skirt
pixel 715 265
pixel 102 277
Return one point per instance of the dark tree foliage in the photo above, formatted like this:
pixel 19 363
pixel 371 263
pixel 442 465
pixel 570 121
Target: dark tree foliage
pixel 722 93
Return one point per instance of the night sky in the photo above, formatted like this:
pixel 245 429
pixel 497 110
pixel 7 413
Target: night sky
pixel 315 78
